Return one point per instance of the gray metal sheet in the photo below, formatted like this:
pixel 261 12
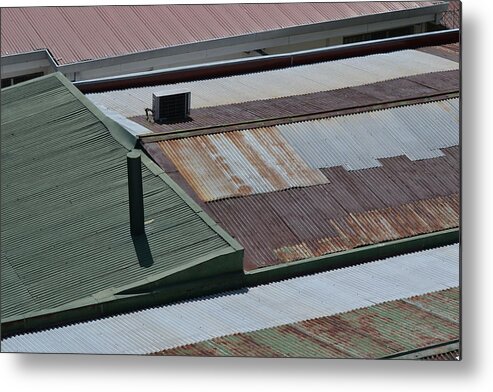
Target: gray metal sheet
pixel 259 307
pixel 283 82
pixel 357 141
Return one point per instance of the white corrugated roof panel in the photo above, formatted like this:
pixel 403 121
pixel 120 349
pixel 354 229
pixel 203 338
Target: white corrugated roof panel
pixel 357 141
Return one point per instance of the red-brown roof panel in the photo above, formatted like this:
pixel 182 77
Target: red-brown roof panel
pixel 74 34
pixel 354 209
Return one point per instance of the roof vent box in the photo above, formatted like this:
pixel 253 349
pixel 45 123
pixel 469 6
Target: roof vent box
pixel 171 105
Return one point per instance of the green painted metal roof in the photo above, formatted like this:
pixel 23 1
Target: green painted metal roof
pixel 65 230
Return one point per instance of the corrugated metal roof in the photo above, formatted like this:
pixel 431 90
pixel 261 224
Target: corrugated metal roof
pixel 65 225
pixel 73 34
pixel 372 332
pixel 310 220
pixel 356 141
pixel 240 163
pixel 266 306
pixel 449 51
pixel 299 80
pixel 274 158
pixel 283 227
pixel 388 92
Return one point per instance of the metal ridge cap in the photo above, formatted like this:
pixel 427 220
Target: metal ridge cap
pixel 121 135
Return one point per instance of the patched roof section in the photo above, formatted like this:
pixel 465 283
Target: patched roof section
pixel 65 225
pixel 391 174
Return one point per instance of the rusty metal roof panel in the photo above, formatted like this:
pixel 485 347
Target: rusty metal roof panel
pixel 240 163
pixel 285 82
pixel 357 141
pixel 298 223
pixel 272 305
pixel 269 159
pixel 72 34
pixel 273 235
pixel 401 198
pixel 372 332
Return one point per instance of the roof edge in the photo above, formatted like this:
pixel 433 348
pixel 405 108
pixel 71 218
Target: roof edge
pixel 117 131
pixel 156 170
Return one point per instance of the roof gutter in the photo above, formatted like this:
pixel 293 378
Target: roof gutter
pixel 269 62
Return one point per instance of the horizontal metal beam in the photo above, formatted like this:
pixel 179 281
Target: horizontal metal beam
pixel 267 122
pixel 265 63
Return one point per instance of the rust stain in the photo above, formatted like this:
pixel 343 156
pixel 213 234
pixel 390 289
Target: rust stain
pixel 240 163
pixel 374 227
pixel 294 252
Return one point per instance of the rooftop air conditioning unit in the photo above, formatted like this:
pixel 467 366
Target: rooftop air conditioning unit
pixel 171 105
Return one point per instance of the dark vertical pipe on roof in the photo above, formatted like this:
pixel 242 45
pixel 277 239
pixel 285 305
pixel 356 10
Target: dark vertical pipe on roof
pixel 135 192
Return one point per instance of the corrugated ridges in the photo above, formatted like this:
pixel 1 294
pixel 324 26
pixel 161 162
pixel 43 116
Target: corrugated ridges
pixel 72 34
pixel 271 159
pixel 240 163
pixel 371 332
pixel 65 224
pixel 256 308
pixel 400 199
pixel 271 236
pixel 285 82
pixel 386 92
pixel 357 141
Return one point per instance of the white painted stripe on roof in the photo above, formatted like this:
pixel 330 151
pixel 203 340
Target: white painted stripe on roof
pixel 285 82
pixel 260 307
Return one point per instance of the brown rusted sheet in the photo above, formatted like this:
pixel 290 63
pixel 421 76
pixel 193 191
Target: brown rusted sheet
pixel 449 52
pixel 348 212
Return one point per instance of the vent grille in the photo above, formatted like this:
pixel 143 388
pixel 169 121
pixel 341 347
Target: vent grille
pixel 171 106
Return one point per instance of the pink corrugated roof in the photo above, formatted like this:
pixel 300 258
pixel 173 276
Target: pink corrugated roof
pixel 74 34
